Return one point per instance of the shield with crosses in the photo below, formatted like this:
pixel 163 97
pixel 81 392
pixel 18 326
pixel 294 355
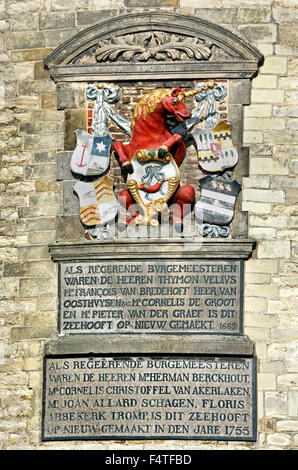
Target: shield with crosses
pixel 98 203
pixel 216 204
pixel 91 157
pixel 215 148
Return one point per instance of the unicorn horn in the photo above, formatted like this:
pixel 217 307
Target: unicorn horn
pixel 195 91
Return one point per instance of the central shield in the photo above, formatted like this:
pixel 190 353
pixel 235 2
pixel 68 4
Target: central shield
pixel 152 183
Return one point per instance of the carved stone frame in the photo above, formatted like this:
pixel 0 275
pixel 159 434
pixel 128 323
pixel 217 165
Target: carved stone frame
pixel 240 65
pixel 237 62
pixel 243 62
pixel 231 59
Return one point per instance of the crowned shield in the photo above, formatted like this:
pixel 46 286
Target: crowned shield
pixel 152 183
pixel 91 157
pixel 98 203
pixel 215 148
pixel 217 200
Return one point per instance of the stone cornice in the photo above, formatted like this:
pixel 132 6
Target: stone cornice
pixel 131 344
pixel 158 248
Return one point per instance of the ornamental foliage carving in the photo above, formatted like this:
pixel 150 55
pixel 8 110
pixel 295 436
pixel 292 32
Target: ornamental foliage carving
pixel 155 45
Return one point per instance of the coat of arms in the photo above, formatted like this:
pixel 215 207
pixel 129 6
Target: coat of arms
pixel 215 148
pixel 98 204
pixel 92 154
pixel 154 154
pixel 151 160
pixel 217 200
pixel 152 183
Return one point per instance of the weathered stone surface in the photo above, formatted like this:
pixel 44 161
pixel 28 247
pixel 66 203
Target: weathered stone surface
pixel 36 252
pixel 288 36
pixel 74 119
pixel 238 345
pixel 259 33
pixel 254 15
pixel 63 166
pixel 29 55
pixel 151 3
pixel 70 97
pixel 208 248
pixel 29 201
pixel 16 269
pixel 159 316
pixel 218 15
pixel 43 142
pixel 40 171
pixel 239 92
pixel 29 332
pixel 275 65
pixel 91 17
pixel 36 87
pixel 60 5
pixel 24 22
pixel 71 205
pixel 56 20
pixel 39 127
pixel 40 72
pixel 48 101
pixel 40 287
pixel 136 370
pixel 285 15
pixel 69 228
pixel 25 40
pixel 54 37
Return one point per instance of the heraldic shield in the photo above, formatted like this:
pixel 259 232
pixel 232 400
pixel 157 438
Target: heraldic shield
pixel 217 200
pixel 153 181
pixel 98 203
pixel 215 148
pixel 91 157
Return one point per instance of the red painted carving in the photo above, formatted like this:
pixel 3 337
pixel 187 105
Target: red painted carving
pixel 150 131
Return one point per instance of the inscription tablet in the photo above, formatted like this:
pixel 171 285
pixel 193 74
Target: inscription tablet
pixel 149 398
pixel 151 296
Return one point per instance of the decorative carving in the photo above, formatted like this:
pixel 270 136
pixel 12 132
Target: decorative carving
pixel 214 231
pixel 154 45
pixel 153 156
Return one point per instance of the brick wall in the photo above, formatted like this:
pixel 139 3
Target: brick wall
pixel 32 132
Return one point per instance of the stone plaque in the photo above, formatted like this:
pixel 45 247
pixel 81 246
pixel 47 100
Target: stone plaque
pixel 193 397
pixel 151 296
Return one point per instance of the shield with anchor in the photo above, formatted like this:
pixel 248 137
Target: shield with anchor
pixel 91 157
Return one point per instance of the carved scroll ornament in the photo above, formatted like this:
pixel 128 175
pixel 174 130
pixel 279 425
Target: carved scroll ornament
pixel 155 45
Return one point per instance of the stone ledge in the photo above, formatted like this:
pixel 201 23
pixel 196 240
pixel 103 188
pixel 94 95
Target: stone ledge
pixel 132 344
pixel 154 248
pixel 152 71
